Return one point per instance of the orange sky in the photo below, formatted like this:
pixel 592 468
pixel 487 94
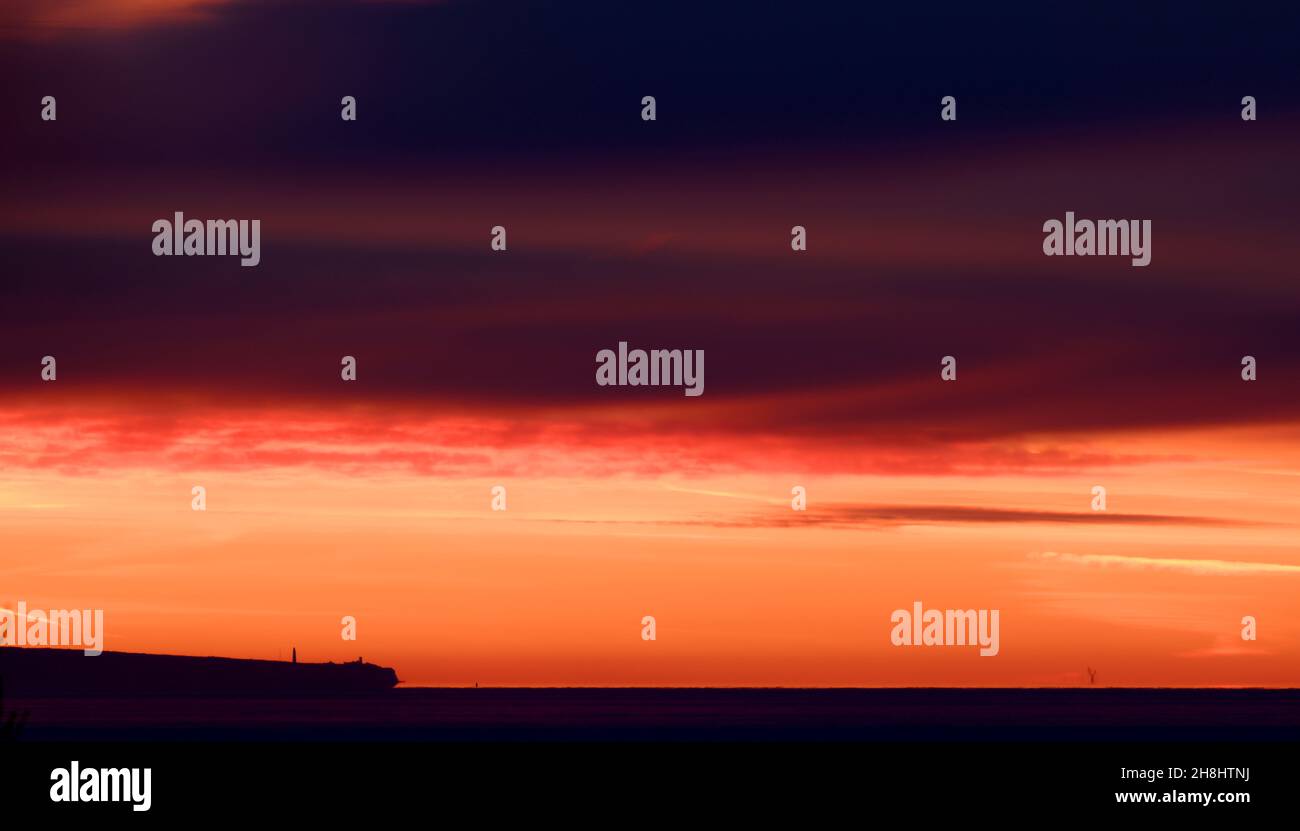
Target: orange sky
pixel 745 590
pixel 371 499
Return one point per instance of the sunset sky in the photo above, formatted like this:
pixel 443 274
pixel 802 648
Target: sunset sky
pixel 476 368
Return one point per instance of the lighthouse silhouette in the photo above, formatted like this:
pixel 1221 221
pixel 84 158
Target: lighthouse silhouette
pixel 295 654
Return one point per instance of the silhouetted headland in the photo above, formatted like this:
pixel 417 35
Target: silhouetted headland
pixel 33 672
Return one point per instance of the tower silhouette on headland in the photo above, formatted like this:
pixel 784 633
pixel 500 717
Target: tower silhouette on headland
pixel 32 673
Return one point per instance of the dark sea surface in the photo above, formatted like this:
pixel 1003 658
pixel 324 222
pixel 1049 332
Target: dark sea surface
pixel 424 714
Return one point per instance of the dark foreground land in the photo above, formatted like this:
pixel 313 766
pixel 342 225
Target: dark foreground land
pixel 43 673
pixel 944 715
pixel 721 755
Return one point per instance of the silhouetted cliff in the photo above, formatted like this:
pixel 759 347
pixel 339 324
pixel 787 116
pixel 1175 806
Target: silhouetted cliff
pixel 32 672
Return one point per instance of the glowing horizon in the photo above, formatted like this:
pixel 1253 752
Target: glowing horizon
pixel 476 366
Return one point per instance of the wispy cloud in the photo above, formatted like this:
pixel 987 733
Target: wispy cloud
pixel 856 515
pixel 178 432
pixel 866 516
pixel 1206 568
pixel 51 17
pixel 47 17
